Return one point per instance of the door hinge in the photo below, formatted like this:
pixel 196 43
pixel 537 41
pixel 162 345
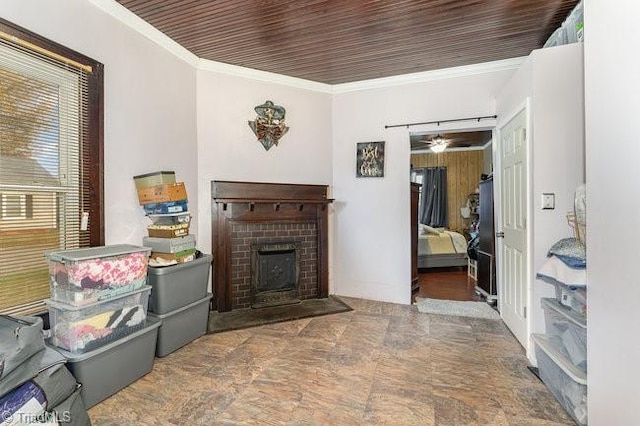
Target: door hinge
pixel 500 234
pixel 525 311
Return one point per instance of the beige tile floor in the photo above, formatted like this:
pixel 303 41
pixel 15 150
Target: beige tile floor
pixel 381 364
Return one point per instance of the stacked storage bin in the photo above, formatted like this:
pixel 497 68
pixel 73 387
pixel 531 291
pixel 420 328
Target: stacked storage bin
pixel 98 316
pixel 562 351
pixel 180 300
pixel 178 273
pixel 35 385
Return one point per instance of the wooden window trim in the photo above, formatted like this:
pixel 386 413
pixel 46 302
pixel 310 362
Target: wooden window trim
pixel 94 169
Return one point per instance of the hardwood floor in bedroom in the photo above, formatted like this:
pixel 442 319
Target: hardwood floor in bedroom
pixel 446 283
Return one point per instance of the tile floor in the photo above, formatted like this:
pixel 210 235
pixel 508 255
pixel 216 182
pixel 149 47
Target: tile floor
pixel 381 364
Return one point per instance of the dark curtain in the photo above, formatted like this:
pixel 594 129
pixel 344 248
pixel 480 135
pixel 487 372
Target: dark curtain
pixel 433 204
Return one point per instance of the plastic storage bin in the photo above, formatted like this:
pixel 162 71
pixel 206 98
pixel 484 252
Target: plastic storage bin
pixel 84 276
pixel 574 25
pixel 567 383
pixel 79 329
pixel 182 326
pixel 178 285
pixel 105 371
pixel 573 297
pixel 569 328
pixel 558 38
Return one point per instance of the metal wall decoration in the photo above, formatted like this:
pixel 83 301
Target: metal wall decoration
pixel 370 159
pixel 269 125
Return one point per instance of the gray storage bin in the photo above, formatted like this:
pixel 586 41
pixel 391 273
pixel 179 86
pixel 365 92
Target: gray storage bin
pixel 567 383
pixel 176 286
pixel 112 367
pixel 182 326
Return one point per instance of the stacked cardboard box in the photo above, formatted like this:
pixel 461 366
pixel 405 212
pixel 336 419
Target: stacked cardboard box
pixel 165 203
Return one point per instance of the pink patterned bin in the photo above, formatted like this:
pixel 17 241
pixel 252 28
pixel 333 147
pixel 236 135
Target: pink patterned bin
pixel 83 276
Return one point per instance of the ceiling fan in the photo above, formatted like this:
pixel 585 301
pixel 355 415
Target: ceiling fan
pixel 438 143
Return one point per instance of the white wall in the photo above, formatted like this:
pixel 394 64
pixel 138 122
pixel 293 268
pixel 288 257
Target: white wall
pixel 552 79
pixel 149 101
pixel 228 149
pixel 371 236
pixel 612 90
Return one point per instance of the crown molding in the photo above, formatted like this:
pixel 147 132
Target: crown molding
pixel 138 24
pixel 268 77
pixel 421 77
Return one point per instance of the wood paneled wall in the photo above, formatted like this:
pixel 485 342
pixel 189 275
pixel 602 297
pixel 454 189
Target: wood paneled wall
pixel 463 175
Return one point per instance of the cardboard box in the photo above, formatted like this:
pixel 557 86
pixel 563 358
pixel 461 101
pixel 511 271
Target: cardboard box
pixel 168 231
pixel 155 178
pixel 162 193
pixel 181 257
pixel 170 245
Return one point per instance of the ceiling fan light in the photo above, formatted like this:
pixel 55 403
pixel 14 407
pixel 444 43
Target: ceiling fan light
pixel 438 147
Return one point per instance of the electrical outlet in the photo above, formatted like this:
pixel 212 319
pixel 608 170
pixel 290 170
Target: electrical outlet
pixel 548 201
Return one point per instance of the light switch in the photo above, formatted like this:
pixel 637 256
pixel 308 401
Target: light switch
pixel 548 201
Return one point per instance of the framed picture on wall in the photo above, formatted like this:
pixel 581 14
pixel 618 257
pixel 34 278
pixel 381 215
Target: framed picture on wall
pixel 370 159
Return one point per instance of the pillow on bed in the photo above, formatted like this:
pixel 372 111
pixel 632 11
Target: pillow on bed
pixel 426 229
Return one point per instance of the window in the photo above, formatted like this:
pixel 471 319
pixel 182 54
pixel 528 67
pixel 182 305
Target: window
pixel 50 161
pixel 16 207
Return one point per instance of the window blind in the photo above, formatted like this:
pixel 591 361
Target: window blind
pixel 44 169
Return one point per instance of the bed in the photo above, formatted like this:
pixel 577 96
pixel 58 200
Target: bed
pixel 439 248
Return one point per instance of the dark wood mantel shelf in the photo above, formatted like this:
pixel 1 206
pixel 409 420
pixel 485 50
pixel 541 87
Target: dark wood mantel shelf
pixel 252 202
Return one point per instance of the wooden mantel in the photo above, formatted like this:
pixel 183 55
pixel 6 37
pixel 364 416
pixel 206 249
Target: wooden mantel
pixel 233 202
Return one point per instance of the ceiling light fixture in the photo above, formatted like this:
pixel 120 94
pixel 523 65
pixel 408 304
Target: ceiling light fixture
pixel 438 144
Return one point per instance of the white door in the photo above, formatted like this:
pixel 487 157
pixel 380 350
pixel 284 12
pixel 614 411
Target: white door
pixel 514 286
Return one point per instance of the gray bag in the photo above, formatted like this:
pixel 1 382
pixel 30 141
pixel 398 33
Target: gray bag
pixel 20 338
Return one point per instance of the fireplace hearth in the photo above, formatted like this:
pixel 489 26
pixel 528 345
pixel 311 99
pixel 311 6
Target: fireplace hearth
pixel 275 272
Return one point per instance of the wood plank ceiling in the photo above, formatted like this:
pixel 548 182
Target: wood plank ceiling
pixel 340 41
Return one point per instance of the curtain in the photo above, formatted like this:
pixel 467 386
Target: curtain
pixel 433 204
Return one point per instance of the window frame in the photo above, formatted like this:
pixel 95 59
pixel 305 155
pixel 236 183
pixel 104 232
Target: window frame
pixel 94 148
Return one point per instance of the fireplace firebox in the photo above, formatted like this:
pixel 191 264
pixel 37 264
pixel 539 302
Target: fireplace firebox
pixel 275 272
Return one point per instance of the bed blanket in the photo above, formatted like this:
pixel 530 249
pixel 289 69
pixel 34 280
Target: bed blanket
pixel 446 242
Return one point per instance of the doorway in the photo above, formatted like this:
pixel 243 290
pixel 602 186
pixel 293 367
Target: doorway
pixel 443 266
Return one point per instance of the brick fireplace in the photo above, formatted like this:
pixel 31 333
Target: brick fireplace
pixel 269 243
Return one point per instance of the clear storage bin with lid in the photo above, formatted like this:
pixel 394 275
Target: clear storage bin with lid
pixel 83 276
pixel 79 329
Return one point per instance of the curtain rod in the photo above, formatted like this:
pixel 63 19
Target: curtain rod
pixel 441 121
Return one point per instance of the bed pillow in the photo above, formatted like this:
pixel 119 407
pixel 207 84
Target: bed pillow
pixel 426 229
pixel 570 251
